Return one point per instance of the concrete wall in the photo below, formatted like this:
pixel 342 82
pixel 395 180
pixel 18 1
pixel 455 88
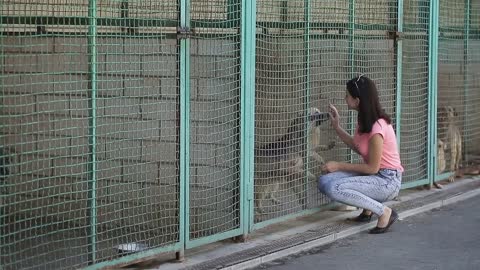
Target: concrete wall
pixel 45 114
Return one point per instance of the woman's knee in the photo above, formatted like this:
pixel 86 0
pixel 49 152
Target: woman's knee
pixel 325 184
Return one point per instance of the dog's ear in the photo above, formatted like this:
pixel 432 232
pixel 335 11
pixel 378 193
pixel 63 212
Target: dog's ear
pixel 448 108
pixel 314 110
pixel 442 111
pixel 441 116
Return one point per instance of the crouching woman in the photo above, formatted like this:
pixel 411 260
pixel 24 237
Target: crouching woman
pixel 367 185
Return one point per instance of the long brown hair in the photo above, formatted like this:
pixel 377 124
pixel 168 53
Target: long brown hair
pixel 370 109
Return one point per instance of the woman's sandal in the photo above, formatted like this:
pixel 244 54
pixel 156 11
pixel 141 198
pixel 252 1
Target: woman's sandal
pixel 361 218
pixel 391 220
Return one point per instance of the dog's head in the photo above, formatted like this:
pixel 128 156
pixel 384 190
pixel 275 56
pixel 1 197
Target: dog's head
pixel 440 145
pixel 446 114
pixel 317 117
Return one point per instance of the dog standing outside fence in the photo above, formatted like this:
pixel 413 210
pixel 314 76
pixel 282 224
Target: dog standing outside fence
pixel 378 179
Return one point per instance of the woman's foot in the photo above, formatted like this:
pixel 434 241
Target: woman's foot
pixel 385 221
pixel 365 216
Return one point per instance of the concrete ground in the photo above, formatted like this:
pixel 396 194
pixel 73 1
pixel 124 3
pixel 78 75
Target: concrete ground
pixel 444 238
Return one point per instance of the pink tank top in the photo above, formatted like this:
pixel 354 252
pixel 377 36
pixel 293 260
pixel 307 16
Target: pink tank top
pixel 390 156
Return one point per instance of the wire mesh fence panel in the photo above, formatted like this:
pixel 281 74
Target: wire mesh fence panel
pixel 214 188
pixel 90 115
pixel 373 52
pixel 138 196
pixel 49 127
pixel 306 51
pixel 451 98
pixel 472 145
pixel 472 111
pixel 281 104
pixel 414 112
pixel 329 70
pixel 44 197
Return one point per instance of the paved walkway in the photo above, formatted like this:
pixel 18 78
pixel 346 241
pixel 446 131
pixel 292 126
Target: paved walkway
pixel 444 238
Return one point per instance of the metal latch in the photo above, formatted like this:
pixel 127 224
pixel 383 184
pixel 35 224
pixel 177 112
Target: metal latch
pixel 394 35
pixel 184 32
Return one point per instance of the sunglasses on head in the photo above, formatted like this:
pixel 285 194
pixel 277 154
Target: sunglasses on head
pixel 358 79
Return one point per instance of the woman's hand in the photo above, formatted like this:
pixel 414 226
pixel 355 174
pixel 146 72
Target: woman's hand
pixel 331 166
pixel 334 117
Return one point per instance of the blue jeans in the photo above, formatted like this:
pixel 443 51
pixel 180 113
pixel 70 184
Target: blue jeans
pixel 363 191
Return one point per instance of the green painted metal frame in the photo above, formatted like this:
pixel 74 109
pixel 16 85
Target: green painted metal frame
pixel 263 224
pixel 3 196
pixel 92 133
pixel 398 101
pixel 443 176
pixel 400 18
pixel 432 89
pixel 184 70
pixel 466 34
pixel 351 61
pixel 399 65
pixel 92 165
pixel 306 43
pixel 185 73
pixel 468 7
pixel 307 36
pixel 248 54
pixel 133 257
pixel 185 120
pixel 142 22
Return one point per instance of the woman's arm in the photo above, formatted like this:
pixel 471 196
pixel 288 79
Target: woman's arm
pixel 375 148
pixel 344 136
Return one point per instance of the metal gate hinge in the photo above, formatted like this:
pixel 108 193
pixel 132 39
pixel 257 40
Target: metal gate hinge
pixel 184 32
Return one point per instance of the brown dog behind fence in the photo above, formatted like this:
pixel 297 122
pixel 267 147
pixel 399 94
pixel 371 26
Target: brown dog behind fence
pixel 283 160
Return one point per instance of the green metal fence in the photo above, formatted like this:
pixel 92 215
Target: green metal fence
pixel 415 92
pixel 458 96
pixel 166 125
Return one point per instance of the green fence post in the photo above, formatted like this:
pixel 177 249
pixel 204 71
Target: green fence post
pixel 184 129
pixel 399 49
pixel 465 77
pixel 92 133
pixel 351 60
pixel 432 90
pixel 248 46
pixel 3 196
pixel 306 42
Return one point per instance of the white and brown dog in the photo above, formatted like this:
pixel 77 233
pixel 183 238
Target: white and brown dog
pixel 441 162
pixel 283 161
pixel 450 135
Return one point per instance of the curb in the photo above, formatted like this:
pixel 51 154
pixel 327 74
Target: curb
pixel 345 233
